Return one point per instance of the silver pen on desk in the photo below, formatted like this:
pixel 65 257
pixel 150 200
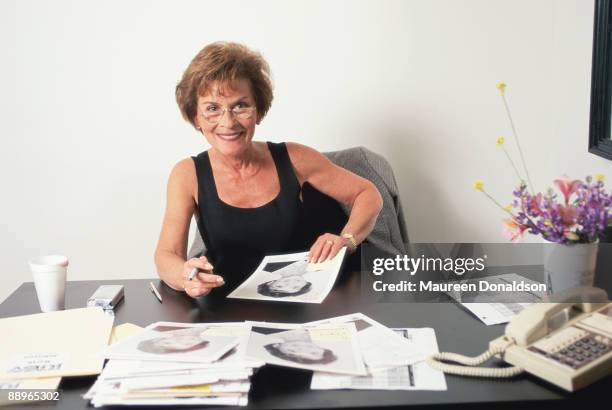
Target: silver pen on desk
pixel 155 292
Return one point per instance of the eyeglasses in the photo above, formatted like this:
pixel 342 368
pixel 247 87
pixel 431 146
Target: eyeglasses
pixel 214 113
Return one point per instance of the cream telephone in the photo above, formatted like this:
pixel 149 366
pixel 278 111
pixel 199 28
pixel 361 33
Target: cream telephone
pixel 567 343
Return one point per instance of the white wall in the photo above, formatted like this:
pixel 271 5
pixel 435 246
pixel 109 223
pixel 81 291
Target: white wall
pixel 90 130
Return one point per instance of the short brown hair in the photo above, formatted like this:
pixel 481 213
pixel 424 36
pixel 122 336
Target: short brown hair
pixel 224 62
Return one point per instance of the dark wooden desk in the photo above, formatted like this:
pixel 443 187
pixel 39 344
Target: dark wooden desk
pixel 275 387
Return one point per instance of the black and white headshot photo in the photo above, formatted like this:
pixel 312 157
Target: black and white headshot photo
pixel 301 352
pixel 290 278
pixel 328 348
pixel 290 283
pixel 175 341
pixel 297 346
pixel 180 342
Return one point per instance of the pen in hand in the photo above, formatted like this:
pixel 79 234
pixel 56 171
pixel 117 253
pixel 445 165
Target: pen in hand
pixel 195 271
pixel 208 278
pixel 155 292
pixel 192 274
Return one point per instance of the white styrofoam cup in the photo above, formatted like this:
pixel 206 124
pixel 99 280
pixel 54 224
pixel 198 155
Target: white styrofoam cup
pixel 49 274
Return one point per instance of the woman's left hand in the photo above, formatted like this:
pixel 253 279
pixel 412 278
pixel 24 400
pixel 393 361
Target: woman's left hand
pixel 326 247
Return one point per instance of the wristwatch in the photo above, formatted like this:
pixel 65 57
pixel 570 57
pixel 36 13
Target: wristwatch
pixel 351 240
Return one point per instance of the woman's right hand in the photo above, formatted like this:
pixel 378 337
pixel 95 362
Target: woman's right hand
pixel 204 281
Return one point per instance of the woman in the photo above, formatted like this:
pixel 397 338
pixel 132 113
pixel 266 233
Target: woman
pixel 290 283
pixel 245 194
pixel 301 352
pixel 177 341
pixel 288 286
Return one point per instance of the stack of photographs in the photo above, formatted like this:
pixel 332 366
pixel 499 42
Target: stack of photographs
pixel 381 347
pixel 394 358
pixel 175 364
pixel 178 364
pixel 350 352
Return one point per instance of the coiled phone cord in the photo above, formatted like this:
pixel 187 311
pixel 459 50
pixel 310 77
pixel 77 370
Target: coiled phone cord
pixel 468 364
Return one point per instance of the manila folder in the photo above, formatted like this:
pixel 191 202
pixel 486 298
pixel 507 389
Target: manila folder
pixel 62 343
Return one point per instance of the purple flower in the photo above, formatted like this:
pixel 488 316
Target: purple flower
pixel 586 211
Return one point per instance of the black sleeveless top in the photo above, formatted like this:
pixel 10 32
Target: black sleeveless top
pixel 237 239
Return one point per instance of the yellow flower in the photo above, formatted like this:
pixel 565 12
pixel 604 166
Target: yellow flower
pixel 548 222
pixel 500 141
pixel 479 185
pixel 600 177
pixel 501 87
pixel 508 207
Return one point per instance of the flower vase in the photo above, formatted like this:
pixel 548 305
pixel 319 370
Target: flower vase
pixel 569 266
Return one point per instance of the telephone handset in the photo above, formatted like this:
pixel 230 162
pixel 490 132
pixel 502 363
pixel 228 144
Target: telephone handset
pixel 567 342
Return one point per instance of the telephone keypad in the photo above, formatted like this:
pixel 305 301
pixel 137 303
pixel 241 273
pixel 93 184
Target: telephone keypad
pixel 573 347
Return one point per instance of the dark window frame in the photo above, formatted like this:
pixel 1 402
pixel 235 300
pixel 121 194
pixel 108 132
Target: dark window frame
pixel 600 141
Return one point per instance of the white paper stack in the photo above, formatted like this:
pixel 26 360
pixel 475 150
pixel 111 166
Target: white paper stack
pixel 350 352
pixel 494 308
pixel 394 358
pixel 175 364
pixel 416 376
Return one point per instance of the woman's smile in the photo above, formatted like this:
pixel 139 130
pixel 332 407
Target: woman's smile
pixel 229 136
